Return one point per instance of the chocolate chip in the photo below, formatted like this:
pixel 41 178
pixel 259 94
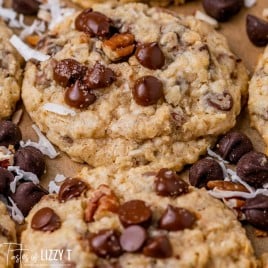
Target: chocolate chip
pixel 147 90
pixel 78 96
pixel 222 10
pixel 45 220
pixel 93 23
pixel 256 211
pixel 106 243
pixel 67 71
pixel 98 77
pixel 26 7
pixel 233 146
pixel 150 56
pixel 168 183
pixel 222 102
pixel 135 212
pixel 133 238
pixel 176 219
pixel 253 169
pixel 158 247
pixel 30 159
pixel 203 171
pixel 257 30
pixel 10 134
pixel 71 188
pixel 6 178
pixel 27 195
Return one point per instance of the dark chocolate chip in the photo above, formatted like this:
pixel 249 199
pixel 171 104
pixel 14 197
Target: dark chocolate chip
pixel 98 77
pixel 27 195
pixel 135 212
pixel 222 10
pixel 176 219
pixel 150 56
pixel 203 171
pixel 168 183
pixel 67 71
pixel 94 23
pixel 30 159
pixel 147 90
pixel 257 30
pixel 222 102
pixel 71 188
pixel 45 220
pixel 233 146
pixel 256 211
pixel 158 247
pixel 106 244
pixel 253 169
pixel 26 7
pixel 6 178
pixel 78 96
pixel 10 134
pixel 133 238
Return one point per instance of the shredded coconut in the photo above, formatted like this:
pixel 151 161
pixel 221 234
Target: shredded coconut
pixel 204 17
pixel 16 214
pixel 53 188
pixel 58 109
pixel 60 178
pixel 7 13
pixel 249 3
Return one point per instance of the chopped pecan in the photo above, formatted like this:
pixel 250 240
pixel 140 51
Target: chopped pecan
pixel 32 39
pixel 119 46
pixel 227 186
pixel 102 200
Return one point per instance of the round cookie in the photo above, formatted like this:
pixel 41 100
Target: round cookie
pixel 193 86
pixel 7 238
pixel 258 97
pixel 206 234
pixel 10 73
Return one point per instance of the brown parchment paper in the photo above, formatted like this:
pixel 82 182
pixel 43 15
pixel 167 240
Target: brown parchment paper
pixel 235 31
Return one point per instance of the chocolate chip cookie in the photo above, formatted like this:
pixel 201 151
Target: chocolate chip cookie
pixel 10 73
pixel 134 90
pixel 136 218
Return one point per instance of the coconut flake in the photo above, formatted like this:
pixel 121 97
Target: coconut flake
pixel 17 116
pixel 204 17
pixel 16 214
pixel 60 178
pixel 53 188
pixel 58 109
pixel 44 145
pixel 214 155
pixel 228 194
pixel 26 52
pixel 249 3
pixel 7 14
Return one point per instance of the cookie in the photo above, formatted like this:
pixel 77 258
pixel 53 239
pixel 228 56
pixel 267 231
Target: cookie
pixel 10 73
pixel 158 91
pixel 136 218
pixel 258 97
pixel 7 238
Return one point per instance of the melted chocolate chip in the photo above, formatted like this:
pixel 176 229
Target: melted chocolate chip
pixel 175 219
pixel 26 7
pixel 67 71
pixel 6 178
pixel 233 146
pixel 78 96
pixel 203 171
pixel 256 211
pixel 71 188
pixel 10 134
pixel 30 159
pixel 27 195
pixel 158 247
pixel 106 244
pixel 94 23
pixel 168 183
pixel 147 90
pixel 133 238
pixel 253 169
pixel 222 10
pixel 98 77
pixel 150 56
pixel 135 212
pixel 257 30
pixel 45 220
pixel 222 102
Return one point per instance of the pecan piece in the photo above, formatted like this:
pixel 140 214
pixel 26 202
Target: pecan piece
pixel 119 46
pixel 102 200
pixel 227 186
